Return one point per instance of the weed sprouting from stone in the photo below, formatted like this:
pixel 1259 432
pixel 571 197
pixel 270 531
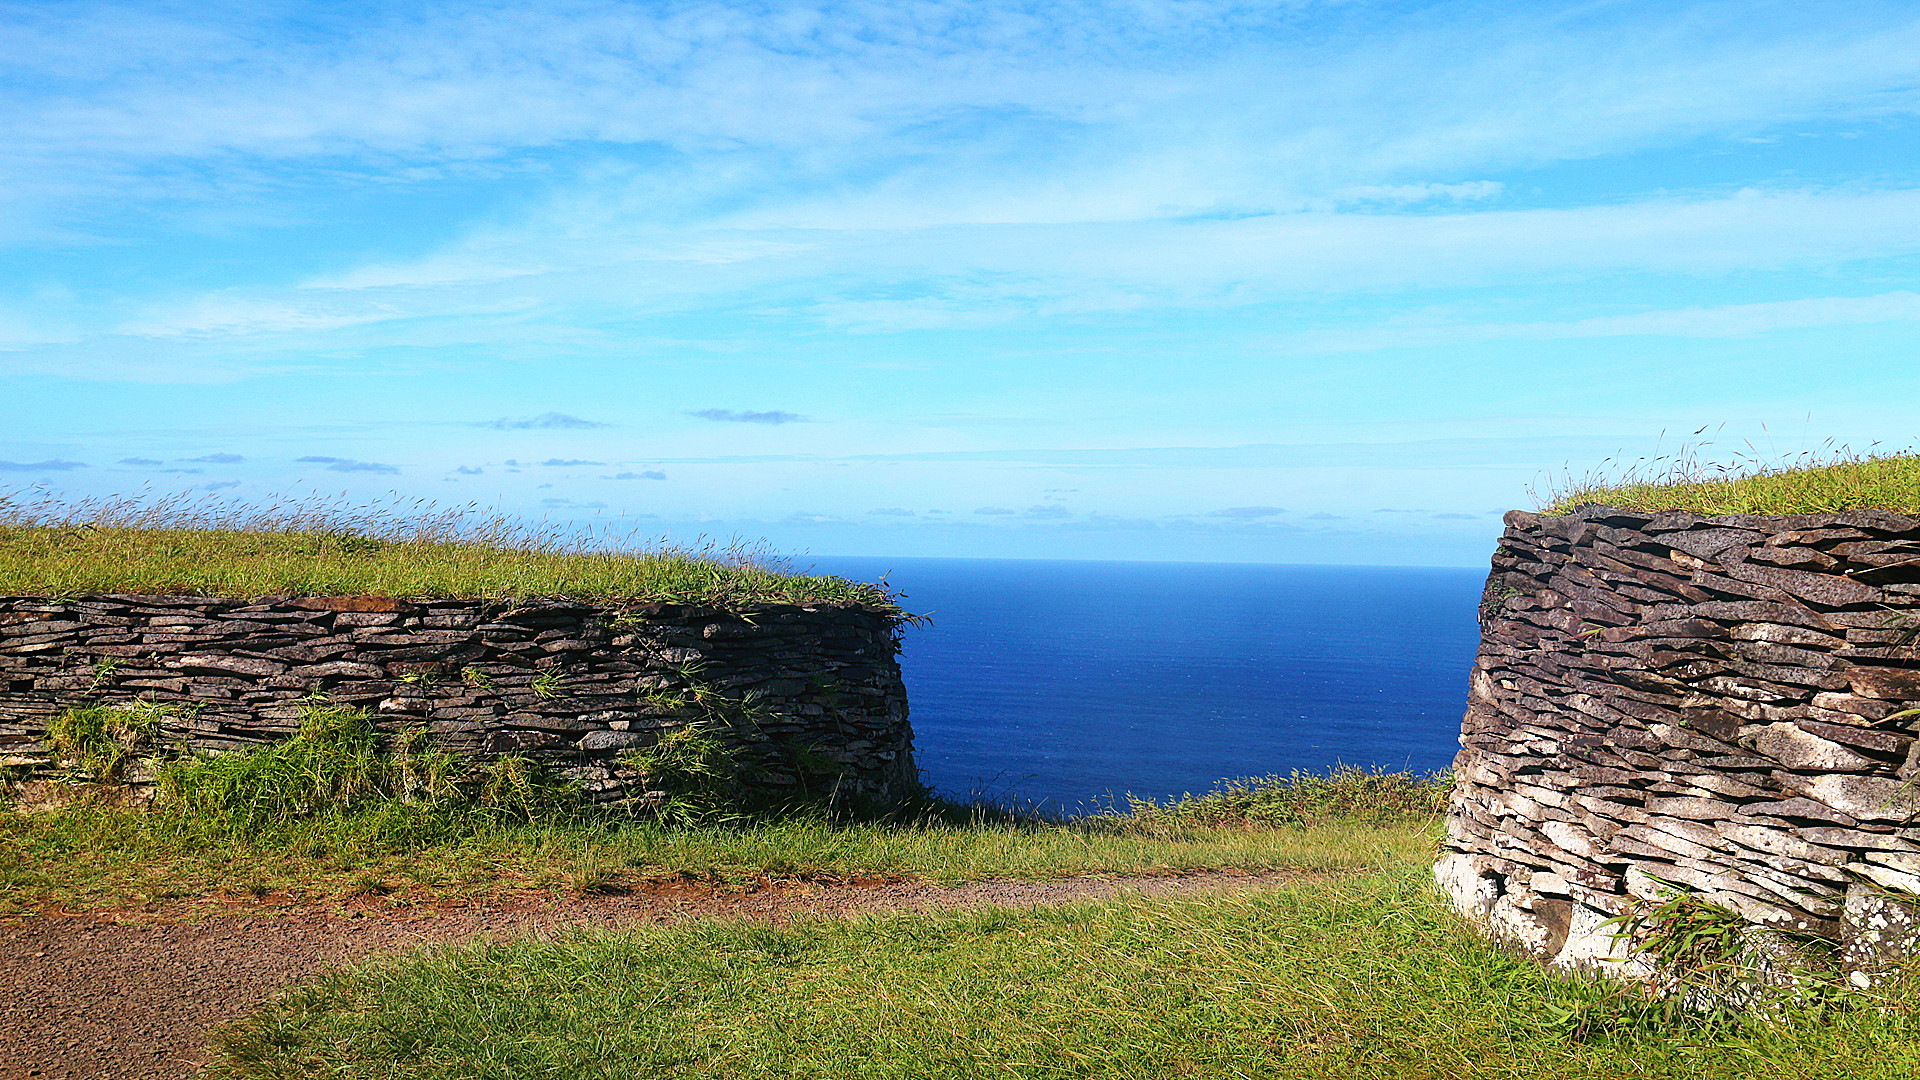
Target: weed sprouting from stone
pixel 98 742
pixel 1708 966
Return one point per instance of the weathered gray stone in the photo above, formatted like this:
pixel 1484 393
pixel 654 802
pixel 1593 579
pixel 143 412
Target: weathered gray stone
pixel 1800 750
pixel 614 740
pixel 1885 683
pixel 1880 934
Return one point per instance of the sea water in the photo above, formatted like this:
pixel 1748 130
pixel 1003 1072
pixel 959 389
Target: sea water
pixel 1073 684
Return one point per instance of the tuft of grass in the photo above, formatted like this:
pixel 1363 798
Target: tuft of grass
pixel 321 547
pixel 1829 480
pixel 594 874
pixel 336 763
pixel 1363 977
pixel 99 741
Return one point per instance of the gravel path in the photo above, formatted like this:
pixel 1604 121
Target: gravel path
pixel 106 995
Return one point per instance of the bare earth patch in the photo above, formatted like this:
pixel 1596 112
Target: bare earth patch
pixel 133 996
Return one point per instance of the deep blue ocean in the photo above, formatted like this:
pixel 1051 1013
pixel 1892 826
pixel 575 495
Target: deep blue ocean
pixel 1069 684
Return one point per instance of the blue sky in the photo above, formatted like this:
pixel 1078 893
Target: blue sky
pixel 1286 282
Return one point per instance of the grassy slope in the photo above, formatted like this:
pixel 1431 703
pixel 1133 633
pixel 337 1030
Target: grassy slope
pixel 1366 976
pixel 1807 487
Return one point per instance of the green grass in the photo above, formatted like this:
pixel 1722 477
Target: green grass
pixel 1816 483
pixel 1361 977
pixel 321 548
pixel 105 858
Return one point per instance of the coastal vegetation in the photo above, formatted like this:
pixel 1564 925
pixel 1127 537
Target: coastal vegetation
pixel 1818 482
pixel 339 813
pixel 1352 966
pixel 325 547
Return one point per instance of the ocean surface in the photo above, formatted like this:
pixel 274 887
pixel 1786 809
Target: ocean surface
pixel 1070 684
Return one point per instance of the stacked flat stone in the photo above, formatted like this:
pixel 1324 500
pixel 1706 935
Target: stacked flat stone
pixel 572 684
pixel 1720 703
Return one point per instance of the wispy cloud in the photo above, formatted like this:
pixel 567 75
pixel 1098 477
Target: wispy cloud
pixel 217 459
pixel 349 465
pixel 221 485
pixel 1405 194
pixel 551 421
pixel 893 511
pixel 139 461
pixel 567 462
pixel 729 416
pixel 1247 513
pixel 645 474
pixel 968 165
pixel 468 470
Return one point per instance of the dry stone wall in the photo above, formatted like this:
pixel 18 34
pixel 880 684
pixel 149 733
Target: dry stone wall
pixel 573 684
pixel 1720 703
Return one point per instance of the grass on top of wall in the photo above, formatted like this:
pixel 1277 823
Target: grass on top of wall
pixel 321 547
pixel 1818 482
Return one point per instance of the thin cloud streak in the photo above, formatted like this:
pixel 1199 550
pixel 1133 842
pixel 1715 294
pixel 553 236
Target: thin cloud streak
pixel 729 416
pixel 349 465
pixel 49 465
pixel 551 421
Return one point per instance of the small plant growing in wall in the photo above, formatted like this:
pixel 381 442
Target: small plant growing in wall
pixel 105 673
pixel 1711 966
pixel 699 765
pixel 547 685
pixel 688 761
pixel 100 741
pixel 476 678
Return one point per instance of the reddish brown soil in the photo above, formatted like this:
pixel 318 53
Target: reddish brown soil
pixel 134 996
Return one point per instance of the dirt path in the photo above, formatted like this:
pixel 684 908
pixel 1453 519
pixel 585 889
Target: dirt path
pixel 100 996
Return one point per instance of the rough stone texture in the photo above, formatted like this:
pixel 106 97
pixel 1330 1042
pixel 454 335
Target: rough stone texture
pixel 1713 702
pixel 573 684
pixel 1885 935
